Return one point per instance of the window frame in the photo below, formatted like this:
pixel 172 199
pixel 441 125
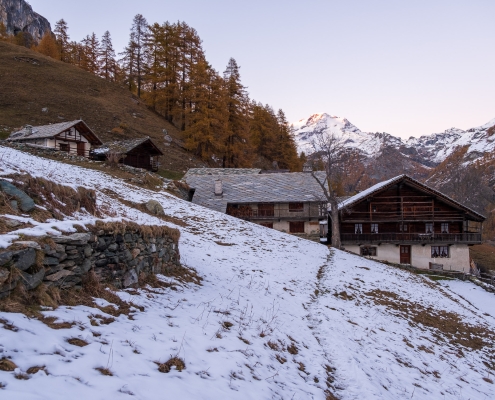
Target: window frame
pixel 294 224
pixel 441 251
pixel 368 251
pixel 358 229
pixel 444 227
pixel 293 208
pixel 64 147
pixel 429 224
pixel 403 227
pixel 374 228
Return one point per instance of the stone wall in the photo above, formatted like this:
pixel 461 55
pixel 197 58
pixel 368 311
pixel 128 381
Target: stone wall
pixel 119 259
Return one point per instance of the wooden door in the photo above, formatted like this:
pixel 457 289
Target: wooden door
pixel 405 254
pixel 80 149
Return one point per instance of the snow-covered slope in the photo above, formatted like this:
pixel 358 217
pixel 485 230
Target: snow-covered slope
pixel 305 320
pixel 429 149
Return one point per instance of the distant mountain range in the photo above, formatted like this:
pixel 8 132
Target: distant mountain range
pixel 428 150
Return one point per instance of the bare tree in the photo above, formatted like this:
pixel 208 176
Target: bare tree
pixel 329 155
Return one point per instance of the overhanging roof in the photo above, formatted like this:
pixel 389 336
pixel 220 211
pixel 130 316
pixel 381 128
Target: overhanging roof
pixel 413 182
pixel 126 146
pixel 52 130
pixel 255 188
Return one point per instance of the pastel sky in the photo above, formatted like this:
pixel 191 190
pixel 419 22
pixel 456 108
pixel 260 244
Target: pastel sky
pixel 406 67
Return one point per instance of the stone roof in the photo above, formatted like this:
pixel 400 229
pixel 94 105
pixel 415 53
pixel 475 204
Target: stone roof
pixel 255 188
pixel 48 131
pixel 125 146
pixel 221 171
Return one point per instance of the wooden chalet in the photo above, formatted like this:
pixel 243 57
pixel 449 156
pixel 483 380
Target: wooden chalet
pixel 288 202
pixel 138 153
pixel 405 221
pixel 73 137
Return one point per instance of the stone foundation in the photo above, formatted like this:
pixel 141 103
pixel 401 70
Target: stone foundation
pixel 119 259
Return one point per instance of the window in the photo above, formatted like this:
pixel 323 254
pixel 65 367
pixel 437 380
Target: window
pixel 429 227
pixel 358 229
pixel 296 207
pixel 445 227
pixel 296 226
pixel 64 147
pixel 439 251
pixel 367 251
pixel 403 228
pixel 266 209
pixel 374 228
pixel 267 224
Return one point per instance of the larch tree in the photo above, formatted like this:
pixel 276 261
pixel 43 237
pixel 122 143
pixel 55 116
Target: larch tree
pixel 48 46
pixel 92 55
pixel 107 58
pixel 238 152
pixel 128 63
pixel 139 32
pixel 63 41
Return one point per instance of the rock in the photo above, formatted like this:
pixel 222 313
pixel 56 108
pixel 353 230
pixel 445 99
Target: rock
pixel 23 259
pixel 75 238
pixel 6 257
pixel 20 17
pixel 58 275
pixel 50 261
pixel 130 278
pixel 135 252
pixel 11 223
pixel 154 207
pixel 153 248
pixel 29 243
pixel 26 202
pixel 4 275
pixel 34 280
pixel 14 204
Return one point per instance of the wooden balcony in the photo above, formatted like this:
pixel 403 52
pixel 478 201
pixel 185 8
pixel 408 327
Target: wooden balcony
pixel 311 211
pixel 411 238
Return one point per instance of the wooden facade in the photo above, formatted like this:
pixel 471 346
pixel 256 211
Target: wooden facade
pixel 408 213
pixel 404 221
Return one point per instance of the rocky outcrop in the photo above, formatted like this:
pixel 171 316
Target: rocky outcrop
pixel 22 200
pixel 18 16
pixel 119 259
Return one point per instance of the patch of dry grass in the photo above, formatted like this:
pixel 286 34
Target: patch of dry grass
pixel 176 362
pixel 7 365
pixel 146 231
pixel 447 326
pixel 77 342
pixel 104 371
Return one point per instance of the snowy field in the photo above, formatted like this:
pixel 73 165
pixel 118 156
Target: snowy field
pixel 276 317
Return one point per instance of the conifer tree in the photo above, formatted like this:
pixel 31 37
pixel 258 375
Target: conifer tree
pixel 286 144
pixel 128 63
pixel 62 37
pixel 139 32
pixel 91 54
pixel 155 52
pixel 107 58
pixel 238 152
pixel 48 46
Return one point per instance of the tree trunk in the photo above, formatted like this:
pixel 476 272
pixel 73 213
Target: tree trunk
pixel 335 224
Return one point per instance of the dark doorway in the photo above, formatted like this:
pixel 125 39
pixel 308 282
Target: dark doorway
pixel 405 254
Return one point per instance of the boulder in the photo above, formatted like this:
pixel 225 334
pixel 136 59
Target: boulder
pixel 32 281
pixel 26 203
pixel 23 259
pixel 130 278
pixel 154 207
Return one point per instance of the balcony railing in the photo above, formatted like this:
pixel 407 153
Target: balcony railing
pixel 248 214
pixel 421 238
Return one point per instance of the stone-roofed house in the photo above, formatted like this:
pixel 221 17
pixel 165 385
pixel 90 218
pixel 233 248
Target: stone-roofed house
pixel 404 221
pixel 138 153
pixel 289 202
pixel 73 137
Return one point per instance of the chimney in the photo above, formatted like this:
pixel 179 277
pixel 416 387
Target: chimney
pixel 29 130
pixel 218 187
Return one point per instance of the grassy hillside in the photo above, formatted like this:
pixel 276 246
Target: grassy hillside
pixel 31 82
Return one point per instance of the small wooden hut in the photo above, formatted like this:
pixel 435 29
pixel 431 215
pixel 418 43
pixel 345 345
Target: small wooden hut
pixel 138 153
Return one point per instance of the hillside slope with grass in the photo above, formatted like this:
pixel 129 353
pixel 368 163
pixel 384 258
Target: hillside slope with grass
pixel 39 90
pixel 272 317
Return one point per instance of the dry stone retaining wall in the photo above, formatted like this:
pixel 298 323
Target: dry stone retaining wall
pixel 62 261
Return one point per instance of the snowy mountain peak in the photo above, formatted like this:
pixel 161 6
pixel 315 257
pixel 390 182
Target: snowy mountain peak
pixel 428 149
